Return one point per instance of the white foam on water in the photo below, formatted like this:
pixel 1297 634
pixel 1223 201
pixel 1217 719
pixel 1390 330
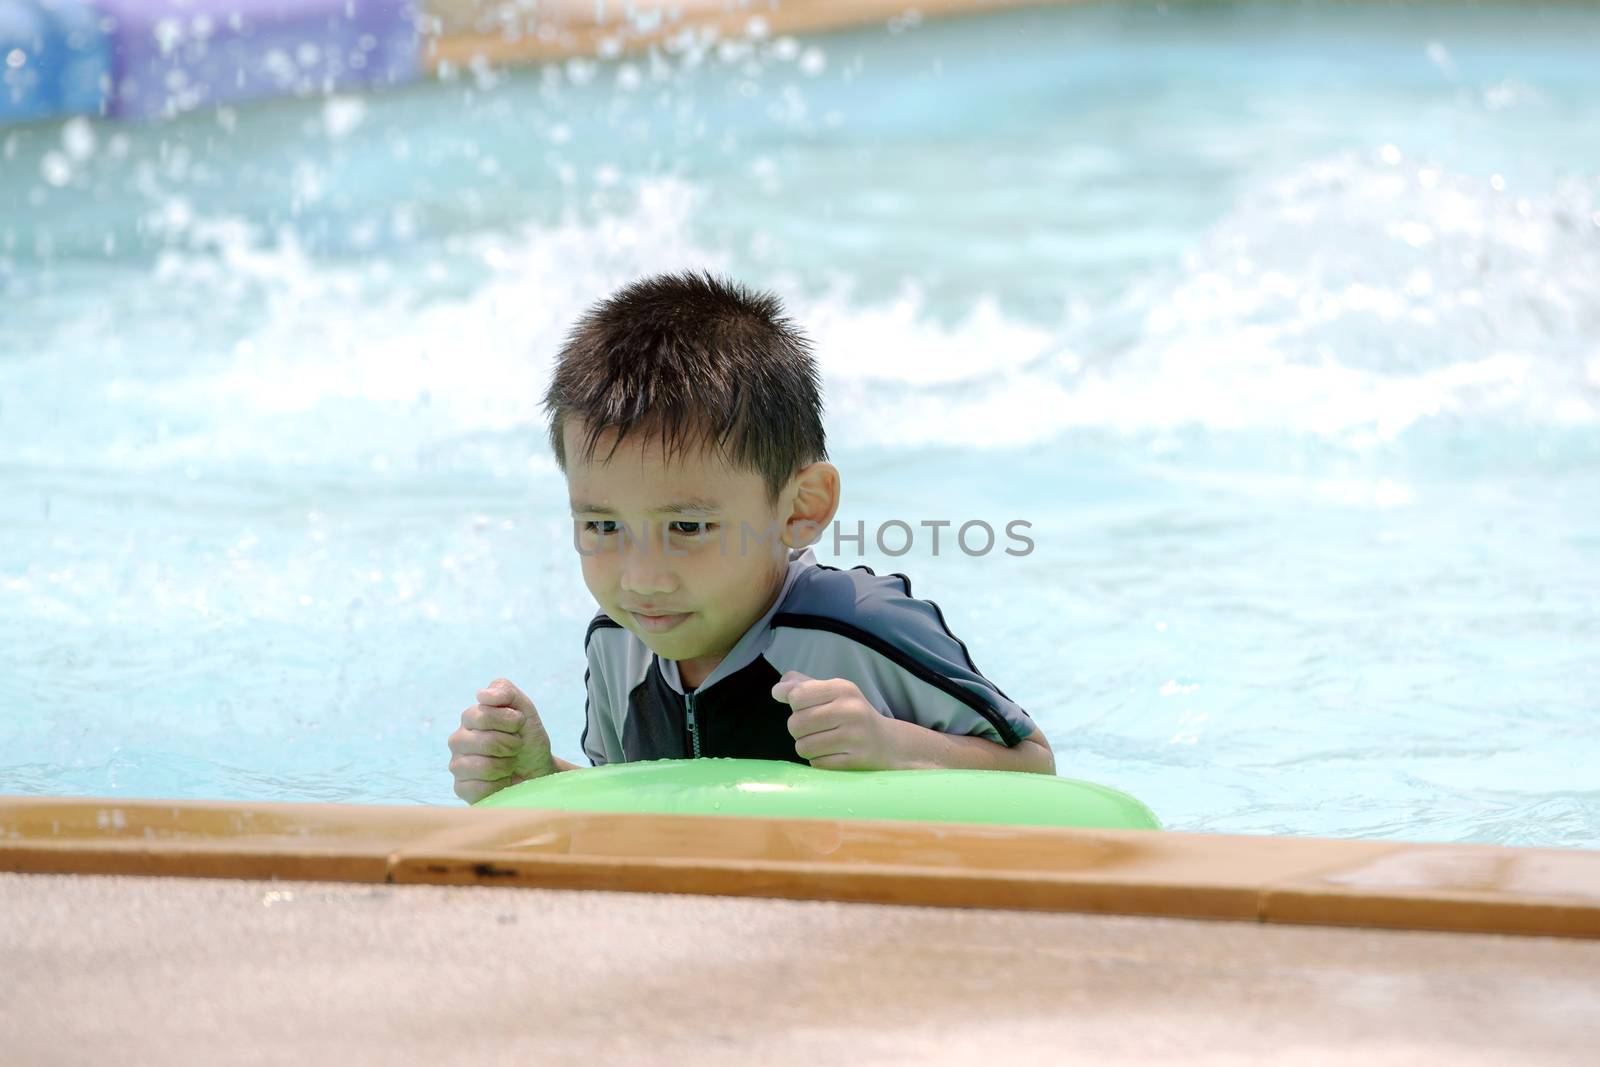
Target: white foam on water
pixel 367 362
pixel 1351 300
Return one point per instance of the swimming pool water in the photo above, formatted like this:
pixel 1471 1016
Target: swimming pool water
pixel 1279 323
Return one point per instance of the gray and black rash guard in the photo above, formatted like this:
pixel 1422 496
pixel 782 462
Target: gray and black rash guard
pixel 825 623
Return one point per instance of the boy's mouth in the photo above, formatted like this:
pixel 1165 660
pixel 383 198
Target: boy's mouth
pixel 658 624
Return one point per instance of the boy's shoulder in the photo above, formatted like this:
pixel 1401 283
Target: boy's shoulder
pixel 843 621
pixel 600 621
pixel 857 602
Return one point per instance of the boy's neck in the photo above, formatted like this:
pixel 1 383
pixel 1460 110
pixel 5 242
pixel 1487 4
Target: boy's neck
pixel 692 672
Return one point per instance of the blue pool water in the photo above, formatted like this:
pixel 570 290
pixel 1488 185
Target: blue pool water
pixel 1280 324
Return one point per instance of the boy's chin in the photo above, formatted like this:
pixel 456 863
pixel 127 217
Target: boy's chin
pixel 677 653
pixel 669 645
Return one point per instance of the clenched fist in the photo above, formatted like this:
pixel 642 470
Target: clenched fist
pixel 501 742
pixel 835 728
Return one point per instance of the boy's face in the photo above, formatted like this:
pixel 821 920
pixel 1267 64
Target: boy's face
pixel 661 547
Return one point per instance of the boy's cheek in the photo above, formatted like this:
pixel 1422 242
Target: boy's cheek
pixel 597 577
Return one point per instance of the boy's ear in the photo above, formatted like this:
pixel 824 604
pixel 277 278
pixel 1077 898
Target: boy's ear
pixel 815 490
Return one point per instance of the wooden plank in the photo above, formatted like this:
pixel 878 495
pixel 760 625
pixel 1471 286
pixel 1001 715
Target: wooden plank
pixel 1481 889
pixel 470 31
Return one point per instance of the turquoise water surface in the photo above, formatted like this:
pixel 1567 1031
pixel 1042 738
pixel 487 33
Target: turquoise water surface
pixel 1280 324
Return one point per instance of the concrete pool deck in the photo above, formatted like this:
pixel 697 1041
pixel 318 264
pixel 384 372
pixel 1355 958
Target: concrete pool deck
pixel 292 936
pixel 135 971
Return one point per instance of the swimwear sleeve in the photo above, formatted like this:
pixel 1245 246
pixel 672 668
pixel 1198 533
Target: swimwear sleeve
pixel 601 742
pixel 898 651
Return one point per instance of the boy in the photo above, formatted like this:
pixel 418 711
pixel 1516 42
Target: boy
pixel 686 413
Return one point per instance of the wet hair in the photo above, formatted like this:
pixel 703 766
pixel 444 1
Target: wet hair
pixel 695 361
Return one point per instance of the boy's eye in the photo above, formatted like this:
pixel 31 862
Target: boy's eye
pixel 684 528
pixel 691 528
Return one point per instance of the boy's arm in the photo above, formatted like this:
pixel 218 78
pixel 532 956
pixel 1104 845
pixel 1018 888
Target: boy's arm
pixel 920 748
pixel 836 728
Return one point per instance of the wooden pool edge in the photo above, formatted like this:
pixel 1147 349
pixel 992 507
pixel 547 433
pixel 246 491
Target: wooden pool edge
pixel 582 28
pixel 1459 888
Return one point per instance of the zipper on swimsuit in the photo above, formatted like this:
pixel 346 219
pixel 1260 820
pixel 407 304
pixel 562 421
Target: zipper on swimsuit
pixel 694 730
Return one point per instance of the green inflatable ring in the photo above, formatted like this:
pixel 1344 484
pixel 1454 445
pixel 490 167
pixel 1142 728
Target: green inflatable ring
pixel 776 789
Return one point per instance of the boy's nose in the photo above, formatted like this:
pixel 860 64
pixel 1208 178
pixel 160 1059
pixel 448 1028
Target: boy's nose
pixel 646 570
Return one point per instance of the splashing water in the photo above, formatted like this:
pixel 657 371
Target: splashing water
pixel 1279 326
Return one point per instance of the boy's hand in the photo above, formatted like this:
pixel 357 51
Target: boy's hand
pixel 834 727
pixel 501 742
